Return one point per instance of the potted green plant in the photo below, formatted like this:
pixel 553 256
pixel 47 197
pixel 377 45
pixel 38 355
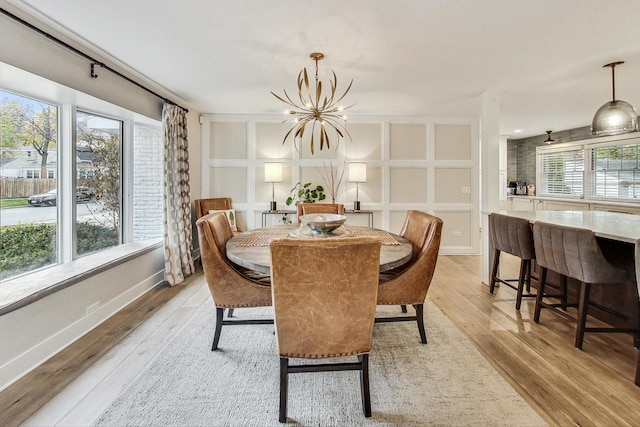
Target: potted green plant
pixel 305 193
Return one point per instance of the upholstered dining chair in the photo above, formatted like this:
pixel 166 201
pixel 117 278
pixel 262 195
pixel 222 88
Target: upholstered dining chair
pixel 513 236
pixel 319 208
pixel 409 285
pixel 231 286
pixel 203 206
pixel 575 252
pixel 324 299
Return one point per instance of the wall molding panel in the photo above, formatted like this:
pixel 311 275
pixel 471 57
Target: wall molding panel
pixel 424 163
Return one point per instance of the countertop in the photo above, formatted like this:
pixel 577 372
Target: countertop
pixel 622 227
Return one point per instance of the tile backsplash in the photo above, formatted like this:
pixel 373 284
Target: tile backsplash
pixel 521 153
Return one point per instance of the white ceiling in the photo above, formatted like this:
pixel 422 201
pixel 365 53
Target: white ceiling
pixel 541 58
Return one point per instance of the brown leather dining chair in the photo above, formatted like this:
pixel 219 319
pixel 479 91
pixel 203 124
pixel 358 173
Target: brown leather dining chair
pixel 409 285
pixel 319 208
pixel 513 236
pixel 324 299
pixel 203 206
pixel 575 253
pixel 231 286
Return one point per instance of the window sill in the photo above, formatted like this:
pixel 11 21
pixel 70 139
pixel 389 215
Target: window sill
pixel 23 290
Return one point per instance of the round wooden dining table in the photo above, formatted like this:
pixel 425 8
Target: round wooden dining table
pixel 251 249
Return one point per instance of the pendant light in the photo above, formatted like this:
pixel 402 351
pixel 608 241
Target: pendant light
pixel 616 116
pixel 548 140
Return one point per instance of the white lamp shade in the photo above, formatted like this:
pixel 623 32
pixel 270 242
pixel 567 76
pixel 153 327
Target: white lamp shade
pixel 273 172
pixel 357 172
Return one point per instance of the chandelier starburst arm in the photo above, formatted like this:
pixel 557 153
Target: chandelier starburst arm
pixel 303 79
pixel 309 103
pixel 344 94
pixel 290 102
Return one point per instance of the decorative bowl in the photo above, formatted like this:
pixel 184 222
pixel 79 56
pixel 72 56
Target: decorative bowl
pixel 322 223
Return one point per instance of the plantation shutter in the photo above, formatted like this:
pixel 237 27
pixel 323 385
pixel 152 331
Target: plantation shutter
pixel 562 172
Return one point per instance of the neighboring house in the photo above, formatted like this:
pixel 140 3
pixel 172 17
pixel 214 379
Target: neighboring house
pixel 84 163
pixel 26 164
pixel 9 167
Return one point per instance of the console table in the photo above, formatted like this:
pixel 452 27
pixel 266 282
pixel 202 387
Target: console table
pixel 265 215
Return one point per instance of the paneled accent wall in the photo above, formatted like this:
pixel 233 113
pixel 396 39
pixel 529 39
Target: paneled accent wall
pixel 423 163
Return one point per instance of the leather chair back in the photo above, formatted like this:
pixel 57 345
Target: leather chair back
pixel 228 287
pixel 512 235
pixel 411 285
pixel 203 206
pixel 324 295
pixel 318 208
pixel 573 252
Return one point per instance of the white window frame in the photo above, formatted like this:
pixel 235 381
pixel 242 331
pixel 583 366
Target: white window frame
pixel 587 146
pixel 56 94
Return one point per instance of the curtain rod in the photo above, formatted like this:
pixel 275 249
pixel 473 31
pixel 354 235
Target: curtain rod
pixel 94 61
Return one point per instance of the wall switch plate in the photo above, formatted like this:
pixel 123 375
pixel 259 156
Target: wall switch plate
pixel 457 234
pixel 465 190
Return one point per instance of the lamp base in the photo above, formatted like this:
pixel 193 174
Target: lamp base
pixel 273 206
pixel 356 206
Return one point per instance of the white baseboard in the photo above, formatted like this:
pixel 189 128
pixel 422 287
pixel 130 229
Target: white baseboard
pixel 15 369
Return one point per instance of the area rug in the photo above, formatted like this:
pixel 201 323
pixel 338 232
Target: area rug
pixel 443 383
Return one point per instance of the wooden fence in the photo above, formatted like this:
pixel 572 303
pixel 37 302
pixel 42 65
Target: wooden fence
pixel 12 188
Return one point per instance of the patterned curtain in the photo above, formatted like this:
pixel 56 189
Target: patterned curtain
pixel 177 203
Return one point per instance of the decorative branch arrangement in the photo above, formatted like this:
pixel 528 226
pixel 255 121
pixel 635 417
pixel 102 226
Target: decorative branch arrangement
pixel 332 178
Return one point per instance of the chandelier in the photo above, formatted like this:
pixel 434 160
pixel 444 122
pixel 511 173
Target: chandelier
pixel 315 110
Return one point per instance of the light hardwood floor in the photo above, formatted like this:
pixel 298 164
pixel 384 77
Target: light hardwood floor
pixel 565 385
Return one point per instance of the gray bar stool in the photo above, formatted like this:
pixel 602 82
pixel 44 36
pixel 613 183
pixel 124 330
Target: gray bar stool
pixel 513 236
pixel 637 257
pixel 574 252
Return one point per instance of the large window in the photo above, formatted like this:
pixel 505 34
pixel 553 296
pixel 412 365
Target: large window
pixel 603 168
pixel 99 141
pixel 28 214
pixel 75 180
pixel 615 171
pixel 561 172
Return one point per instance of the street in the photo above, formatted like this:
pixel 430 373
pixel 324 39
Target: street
pixel 32 214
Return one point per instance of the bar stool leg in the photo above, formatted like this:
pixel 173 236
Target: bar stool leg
pixel 524 265
pixel 563 292
pixel 540 295
pixel 494 270
pixel 637 335
pixel 585 290
pixel 638 371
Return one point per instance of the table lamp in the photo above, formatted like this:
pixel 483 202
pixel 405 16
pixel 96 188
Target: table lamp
pixel 357 174
pixel 273 174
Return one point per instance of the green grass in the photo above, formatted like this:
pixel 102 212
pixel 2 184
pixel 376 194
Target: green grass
pixel 7 203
